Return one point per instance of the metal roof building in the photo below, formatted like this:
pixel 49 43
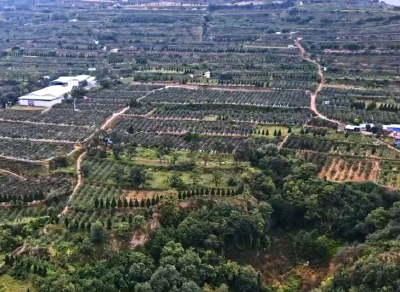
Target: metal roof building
pixel 46 97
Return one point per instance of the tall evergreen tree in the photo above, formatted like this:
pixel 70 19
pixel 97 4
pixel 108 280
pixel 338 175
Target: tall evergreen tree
pixel 119 203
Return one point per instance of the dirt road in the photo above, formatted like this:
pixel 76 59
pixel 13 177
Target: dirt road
pixel 284 141
pixel 78 184
pixel 113 117
pixel 12 173
pixel 313 103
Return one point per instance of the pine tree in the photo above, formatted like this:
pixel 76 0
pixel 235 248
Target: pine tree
pixel 101 204
pixel 66 222
pixel 142 204
pixel 212 192
pixel 289 130
pixel 148 203
pixel 267 133
pixel 179 196
pixel 107 203
pixel 275 133
pixel 223 192
pixel 184 195
pixel 263 132
pixel 82 225
pixel 123 219
pixel 136 203
pixel 109 223
pixel 113 204
pixel 126 203
pixel 218 192
pixel 157 199
pixel 279 133
pixel 130 203
pixel 119 203
pixel 153 201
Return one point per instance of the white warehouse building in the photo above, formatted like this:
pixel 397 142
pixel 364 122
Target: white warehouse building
pixel 53 94
pixel 46 97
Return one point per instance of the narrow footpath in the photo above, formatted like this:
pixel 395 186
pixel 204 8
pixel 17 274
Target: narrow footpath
pixel 313 102
pixel 79 183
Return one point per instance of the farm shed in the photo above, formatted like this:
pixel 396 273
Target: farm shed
pixel 351 128
pixel 46 97
pixel 72 80
pixel 391 128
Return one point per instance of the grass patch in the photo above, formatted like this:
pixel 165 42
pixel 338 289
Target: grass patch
pixel 271 129
pixel 148 157
pixel 71 169
pixel 9 284
pixel 159 179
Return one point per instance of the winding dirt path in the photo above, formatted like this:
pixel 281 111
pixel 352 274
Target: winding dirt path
pixel 12 173
pixel 113 117
pixel 313 103
pixel 105 126
pixel 284 141
pixel 78 184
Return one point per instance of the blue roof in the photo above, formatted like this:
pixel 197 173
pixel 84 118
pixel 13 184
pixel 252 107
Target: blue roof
pixel 397 144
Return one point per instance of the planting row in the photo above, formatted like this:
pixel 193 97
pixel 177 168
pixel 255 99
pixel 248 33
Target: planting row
pixel 94 104
pixel 338 169
pixel 341 148
pixel 44 132
pixel 173 95
pixel 272 116
pixel 18 191
pixel 111 95
pixel 56 116
pixel 213 143
pixel 29 150
pixel 137 124
pixel 348 114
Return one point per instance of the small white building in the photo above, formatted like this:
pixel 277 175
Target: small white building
pixel 46 97
pixel 72 80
